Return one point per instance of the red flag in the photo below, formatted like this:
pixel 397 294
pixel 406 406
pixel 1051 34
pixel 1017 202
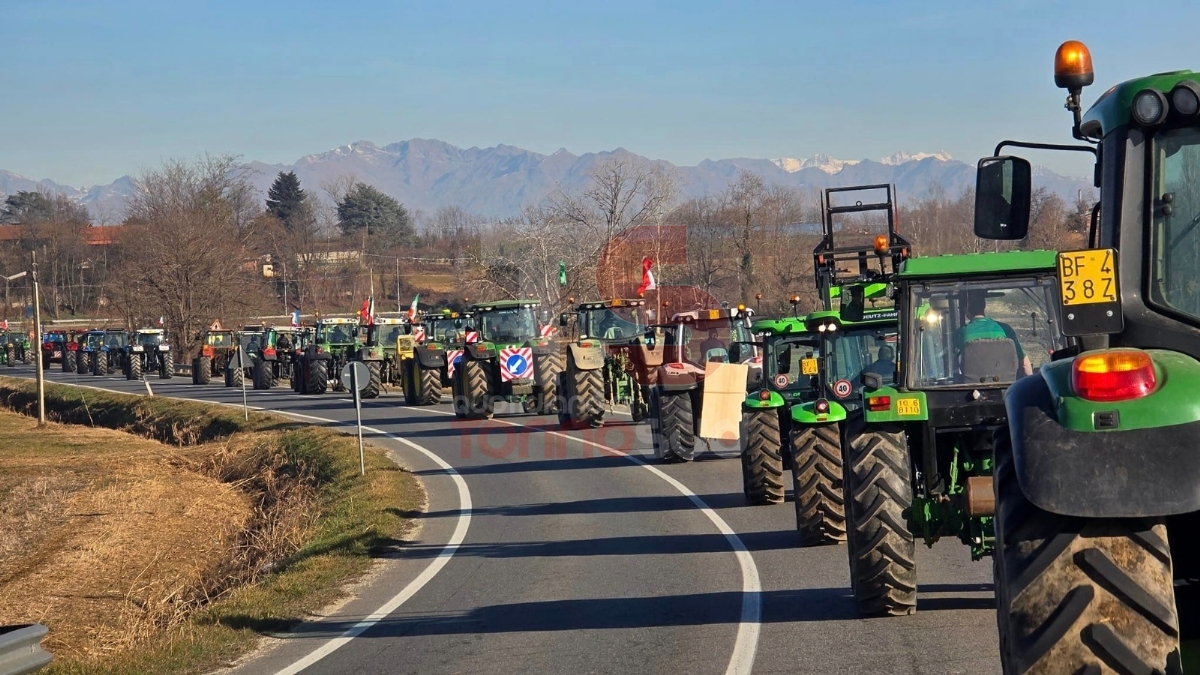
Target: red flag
pixel 648 283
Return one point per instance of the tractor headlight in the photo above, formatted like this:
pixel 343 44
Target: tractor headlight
pixel 1149 107
pixel 1185 98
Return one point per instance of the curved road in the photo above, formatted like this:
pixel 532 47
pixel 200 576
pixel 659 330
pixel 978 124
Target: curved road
pixel 577 558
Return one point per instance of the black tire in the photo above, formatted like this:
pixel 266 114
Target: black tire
pixel 587 396
pixel 318 377
pixel 478 395
pixel 676 427
pixel 46 356
pixel 10 357
pixel 203 372
pixel 263 376
pixel 883 569
pixel 134 370
pixel 430 381
pixel 409 376
pixel 238 377
pixel 167 370
pixel 458 399
pixel 546 368
pixel 762 458
pixel 817 484
pixel 1078 595
pixel 27 356
pixel 68 361
pixel 100 363
pixel 374 382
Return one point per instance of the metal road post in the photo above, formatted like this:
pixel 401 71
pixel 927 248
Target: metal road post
pixel 362 464
pixel 37 331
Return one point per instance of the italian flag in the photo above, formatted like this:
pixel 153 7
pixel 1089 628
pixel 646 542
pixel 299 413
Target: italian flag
pixel 648 283
pixel 412 309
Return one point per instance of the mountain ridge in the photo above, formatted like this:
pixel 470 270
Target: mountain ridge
pixel 498 181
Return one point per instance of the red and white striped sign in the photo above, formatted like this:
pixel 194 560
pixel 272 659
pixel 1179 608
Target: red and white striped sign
pixel 472 336
pixel 516 363
pixel 546 331
pixel 419 333
pixel 452 357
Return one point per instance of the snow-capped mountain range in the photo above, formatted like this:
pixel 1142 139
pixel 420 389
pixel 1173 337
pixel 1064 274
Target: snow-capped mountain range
pixel 497 181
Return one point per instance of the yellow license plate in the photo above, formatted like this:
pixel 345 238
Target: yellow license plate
pixel 908 406
pixel 1087 277
pixel 808 366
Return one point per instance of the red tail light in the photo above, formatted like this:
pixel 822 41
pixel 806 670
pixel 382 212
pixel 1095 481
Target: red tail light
pixel 1113 375
pixel 879 403
pixel 269 351
pixel 764 395
pixel 822 406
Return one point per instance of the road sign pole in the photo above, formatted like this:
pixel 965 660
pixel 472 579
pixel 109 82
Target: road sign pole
pixel 362 464
pixel 245 405
pixel 37 328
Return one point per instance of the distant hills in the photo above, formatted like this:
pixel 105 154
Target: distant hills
pixel 496 182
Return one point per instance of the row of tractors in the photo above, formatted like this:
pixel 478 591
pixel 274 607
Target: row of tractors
pixel 101 351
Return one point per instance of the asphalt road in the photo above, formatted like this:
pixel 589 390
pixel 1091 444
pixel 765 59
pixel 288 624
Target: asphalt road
pixel 550 552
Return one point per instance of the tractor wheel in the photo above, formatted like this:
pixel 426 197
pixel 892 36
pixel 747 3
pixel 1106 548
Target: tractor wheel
pixel 587 402
pixel 237 377
pixel 676 433
pixel 134 370
pixel 203 370
pixel 167 369
pixel 458 399
pixel 262 377
pixel 409 374
pixel 546 368
pixel 27 356
pixel 817 484
pixel 430 381
pixel 762 458
pixel 68 361
pixel 374 382
pixel 1080 595
pixel 883 570
pixel 478 394
pixel 46 356
pixel 10 357
pixel 100 363
pixel 318 377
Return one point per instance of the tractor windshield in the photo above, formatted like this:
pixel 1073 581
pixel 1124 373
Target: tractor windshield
pixel 221 338
pixel 336 333
pixel 981 333
pixel 1176 231
pixel 514 324
pixel 94 340
pixel 855 351
pixel 792 362
pixel 613 323
pixel 442 330
pixel 725 340
pixel 386 334
pixel 251 343
pixel 150 339
pixel 116 340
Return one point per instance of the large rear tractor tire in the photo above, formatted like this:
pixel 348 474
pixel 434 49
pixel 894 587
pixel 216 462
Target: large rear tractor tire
pixel 27 357
pixel 587 403
pixel 409 376
pixel 263 375
pixel 430 382
pixel 100 363
pixel 675 436
pixel 546 368
pixel 318 377
pixel 478 394
pixel 84 365
pixel 817 483
pixel 374 382
pixel 1077 595
pixel 762 458
pixel 203 371
pixel 167 369
pixel 68 362
pixel 883 568
pixel 134 370
pixel 10 356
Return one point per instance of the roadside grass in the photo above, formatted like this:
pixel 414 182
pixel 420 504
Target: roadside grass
pixel 302 523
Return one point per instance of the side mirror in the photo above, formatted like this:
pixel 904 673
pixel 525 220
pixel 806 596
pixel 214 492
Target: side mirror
pixel 651 341
pixel 458 323
pixel 872 380
pixel 562 319
pixel 1002 195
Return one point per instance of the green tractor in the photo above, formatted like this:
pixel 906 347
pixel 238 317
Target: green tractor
pixel 149 352
pixel 510 362
pixel 381 340
pixel 337 337
pixel 1096 489
pixel 694 340
pixel 919 454
pixel 16 348
pixel 274 362
pixel 423 356
pixel 609 362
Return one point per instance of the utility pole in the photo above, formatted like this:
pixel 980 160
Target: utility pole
pixel 398 307
pixel 37 335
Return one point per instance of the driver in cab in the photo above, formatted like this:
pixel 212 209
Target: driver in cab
pixel 979 326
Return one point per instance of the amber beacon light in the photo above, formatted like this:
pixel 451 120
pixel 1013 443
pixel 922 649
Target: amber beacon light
pixel 1073 66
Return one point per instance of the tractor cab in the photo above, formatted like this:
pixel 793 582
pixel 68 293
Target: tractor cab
pixel 219 340
pixel 1100 442
pixel 337 332
pixel 708 335
pixel 251 340
pixel 507 321
pixel 149 338
pixel 384 332
pixel 442 327
pixel 615 320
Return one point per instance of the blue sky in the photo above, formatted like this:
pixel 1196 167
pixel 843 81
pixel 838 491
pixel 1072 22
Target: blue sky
pixel 94 90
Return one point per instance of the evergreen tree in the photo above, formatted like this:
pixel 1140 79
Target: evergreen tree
pixel 285 199
pixel 381 216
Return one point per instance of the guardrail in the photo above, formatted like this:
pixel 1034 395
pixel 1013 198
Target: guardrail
pixel 21 649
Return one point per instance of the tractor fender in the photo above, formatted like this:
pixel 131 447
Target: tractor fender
pixel 543 347
pixel 806 413
pixel 430 356
pixel 1129 471
pixel 589 357
pixel 481 351
pixel 754 400
pixel 679 377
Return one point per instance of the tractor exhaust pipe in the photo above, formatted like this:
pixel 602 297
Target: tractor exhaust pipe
pixel 980 497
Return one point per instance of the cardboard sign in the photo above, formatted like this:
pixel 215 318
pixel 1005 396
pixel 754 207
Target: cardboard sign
pixel 724 393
